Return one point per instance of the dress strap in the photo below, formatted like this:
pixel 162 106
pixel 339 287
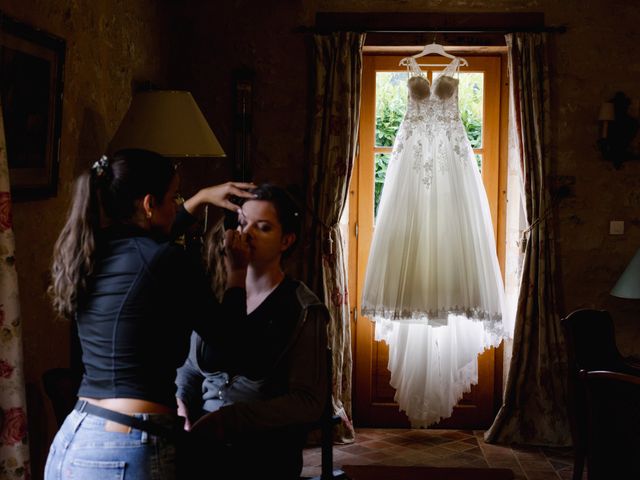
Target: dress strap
pixel 453 69
pixel 413 69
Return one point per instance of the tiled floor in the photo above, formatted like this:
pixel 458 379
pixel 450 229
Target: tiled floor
pixel 444 448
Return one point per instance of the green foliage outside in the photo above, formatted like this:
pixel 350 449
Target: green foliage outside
pixel 391 105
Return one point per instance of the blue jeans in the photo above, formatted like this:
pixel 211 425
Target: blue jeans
pixel 82 449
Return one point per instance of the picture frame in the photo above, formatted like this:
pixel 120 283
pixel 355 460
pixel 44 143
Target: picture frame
pixel 31 90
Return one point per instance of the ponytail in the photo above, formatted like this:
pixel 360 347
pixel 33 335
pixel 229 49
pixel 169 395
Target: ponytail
pixel 73 256
pixel 112 189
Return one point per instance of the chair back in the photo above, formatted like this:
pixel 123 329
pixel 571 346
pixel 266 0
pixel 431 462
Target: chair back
pixel 613 427
pixel 591 343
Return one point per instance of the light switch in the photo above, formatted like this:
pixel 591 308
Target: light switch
pixel 616 227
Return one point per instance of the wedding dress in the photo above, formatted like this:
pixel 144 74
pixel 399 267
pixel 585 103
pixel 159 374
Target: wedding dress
pixel 433 284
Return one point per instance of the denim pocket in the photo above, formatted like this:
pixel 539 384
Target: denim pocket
pixel 96 469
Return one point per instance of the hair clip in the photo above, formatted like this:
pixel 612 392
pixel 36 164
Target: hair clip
pixel 101 167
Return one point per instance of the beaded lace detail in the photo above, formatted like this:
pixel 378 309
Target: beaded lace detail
pixel 432 114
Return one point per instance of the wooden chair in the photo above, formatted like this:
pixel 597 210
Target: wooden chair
pixel 590 341
pixel 613 424
pixel 326 424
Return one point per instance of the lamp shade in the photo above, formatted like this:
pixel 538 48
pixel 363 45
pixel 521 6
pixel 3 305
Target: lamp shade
pixel 628 285
pixel 606 113
pixel 168 122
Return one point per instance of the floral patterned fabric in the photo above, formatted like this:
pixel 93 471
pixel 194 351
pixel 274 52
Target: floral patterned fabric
pixel 335 119
pixel 14 446
pixel 534 408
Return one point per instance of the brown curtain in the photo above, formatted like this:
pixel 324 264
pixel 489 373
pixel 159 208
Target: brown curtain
pixel 334 134
pixel 534 407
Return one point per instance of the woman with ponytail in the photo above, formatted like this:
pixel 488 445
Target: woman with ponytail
pixel 136 297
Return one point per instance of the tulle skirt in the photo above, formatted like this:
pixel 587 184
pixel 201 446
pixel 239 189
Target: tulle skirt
pixel 433 367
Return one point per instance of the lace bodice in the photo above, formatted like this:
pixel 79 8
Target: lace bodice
pixel 432 116
pixel 437 103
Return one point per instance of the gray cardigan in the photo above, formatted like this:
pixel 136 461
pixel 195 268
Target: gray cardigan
pixel 293 394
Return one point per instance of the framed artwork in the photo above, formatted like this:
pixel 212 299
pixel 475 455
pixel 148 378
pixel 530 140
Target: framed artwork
pixel 31 86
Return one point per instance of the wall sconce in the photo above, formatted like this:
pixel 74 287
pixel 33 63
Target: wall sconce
pixel 617 130
pixel 605 116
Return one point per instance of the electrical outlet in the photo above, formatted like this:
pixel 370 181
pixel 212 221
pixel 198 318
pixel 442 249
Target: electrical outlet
pixel 616 227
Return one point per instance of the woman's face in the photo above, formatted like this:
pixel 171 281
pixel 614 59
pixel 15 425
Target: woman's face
pixel 164 212
pixel 259 220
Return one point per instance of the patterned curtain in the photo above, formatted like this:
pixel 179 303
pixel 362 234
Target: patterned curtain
pixel 534 407
pixel 336 115
pixel 14 445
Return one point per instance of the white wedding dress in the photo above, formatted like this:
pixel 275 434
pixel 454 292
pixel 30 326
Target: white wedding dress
pixel 433 284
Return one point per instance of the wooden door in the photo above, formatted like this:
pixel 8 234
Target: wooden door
pixel 373 396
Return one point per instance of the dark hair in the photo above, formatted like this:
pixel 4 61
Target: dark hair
pixel 108 191
pixel 287 210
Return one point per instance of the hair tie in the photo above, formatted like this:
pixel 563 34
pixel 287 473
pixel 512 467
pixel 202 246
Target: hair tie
pixel 102 168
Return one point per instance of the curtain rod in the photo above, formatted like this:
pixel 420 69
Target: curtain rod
pixel 549 29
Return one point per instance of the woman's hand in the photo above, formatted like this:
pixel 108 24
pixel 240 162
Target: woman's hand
pixel 220 196
pixel 183 412
pixel 236 258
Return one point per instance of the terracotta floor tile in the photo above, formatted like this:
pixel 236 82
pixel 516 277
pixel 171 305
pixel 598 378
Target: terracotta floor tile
pixel 559 464
pixel 356 449
pixel 439 451
pixel 444 448
pixel 536 465
pixel 458 446
pixel 501 457
pixel 542 476
pixel 455 434
pixel 513 464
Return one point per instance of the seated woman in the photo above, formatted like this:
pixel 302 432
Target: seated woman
pixel 266 378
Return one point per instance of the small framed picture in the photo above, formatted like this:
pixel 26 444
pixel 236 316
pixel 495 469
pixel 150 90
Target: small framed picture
pixel 31 86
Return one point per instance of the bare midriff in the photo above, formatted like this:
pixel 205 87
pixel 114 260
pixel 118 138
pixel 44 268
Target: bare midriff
pixel 130 406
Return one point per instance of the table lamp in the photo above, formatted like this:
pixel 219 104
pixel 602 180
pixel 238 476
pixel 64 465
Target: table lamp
pixel 628 285
pixel 167 122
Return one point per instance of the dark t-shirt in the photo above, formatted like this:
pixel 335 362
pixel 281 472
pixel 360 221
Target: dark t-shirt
pixel 134 323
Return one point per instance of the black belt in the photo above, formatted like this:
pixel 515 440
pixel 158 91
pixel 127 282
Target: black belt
pixel 124 419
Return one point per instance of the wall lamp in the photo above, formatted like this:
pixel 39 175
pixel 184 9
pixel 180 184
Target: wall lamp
pixel 617 130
